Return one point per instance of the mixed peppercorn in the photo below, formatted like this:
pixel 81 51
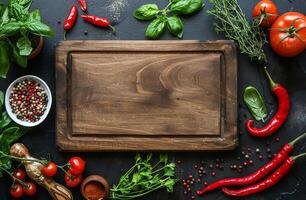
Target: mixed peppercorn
pixel 28 100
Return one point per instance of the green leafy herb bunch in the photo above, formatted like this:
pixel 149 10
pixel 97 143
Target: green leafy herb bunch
pixel 167 17
pixel 16 25
pixel 145 177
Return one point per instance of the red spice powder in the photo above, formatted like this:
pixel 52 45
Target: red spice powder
pixel 94 190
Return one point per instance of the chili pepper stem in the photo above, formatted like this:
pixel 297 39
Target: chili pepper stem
pixel 272 83
pixel 112 28
pixel 65 33
pixel 292 143
pixel 298 156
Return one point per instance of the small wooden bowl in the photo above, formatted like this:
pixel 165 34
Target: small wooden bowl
pixel 97 181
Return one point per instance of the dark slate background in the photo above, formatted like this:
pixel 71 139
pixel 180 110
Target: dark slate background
pixel 289 72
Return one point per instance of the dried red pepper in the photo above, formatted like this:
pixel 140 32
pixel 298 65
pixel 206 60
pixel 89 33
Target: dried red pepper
pixel 267 183
pixel 70 20
pixel 279 118
pixel 98 21
pixel 259 174
pixel 83 5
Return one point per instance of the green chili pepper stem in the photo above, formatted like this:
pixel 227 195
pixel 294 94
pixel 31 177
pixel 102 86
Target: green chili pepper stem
pixel 292 143
pixel 272 83
pixel 298 156
pixel 112 28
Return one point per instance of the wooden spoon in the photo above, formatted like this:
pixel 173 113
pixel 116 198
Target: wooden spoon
pixel 33 169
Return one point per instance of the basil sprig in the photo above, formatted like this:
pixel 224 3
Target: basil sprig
pixel 9 134
pixel 255 103
pixel 167 17
pixel 16 24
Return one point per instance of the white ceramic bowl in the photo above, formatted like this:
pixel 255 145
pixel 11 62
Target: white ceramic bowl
pixel 8 106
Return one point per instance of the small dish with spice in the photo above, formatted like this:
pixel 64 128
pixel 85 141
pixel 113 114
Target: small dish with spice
pixel 28 100
pixel 95 187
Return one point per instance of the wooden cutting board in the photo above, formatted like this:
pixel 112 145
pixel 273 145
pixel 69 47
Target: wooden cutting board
pixel 146 95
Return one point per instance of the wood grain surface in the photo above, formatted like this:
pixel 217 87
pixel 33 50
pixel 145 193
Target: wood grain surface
pixel 146 95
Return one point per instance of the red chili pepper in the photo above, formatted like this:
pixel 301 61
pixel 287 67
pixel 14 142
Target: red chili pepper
pixel 98 21
pixel 279 118
pixel 265 184
pixel 259 174
pixel 70 20
pixel 83 5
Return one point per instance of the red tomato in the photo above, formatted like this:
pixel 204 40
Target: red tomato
pixel 288 34
pixel 266 12
pixel 76 165
pixel 16 191
pixel 30 189
pixel 72 180
pixel 19 174
pixel 49 170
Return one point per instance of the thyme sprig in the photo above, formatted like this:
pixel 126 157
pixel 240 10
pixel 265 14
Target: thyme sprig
pixel 231 21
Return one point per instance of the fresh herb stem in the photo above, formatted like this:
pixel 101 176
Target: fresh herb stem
pixel 232 22
pixel 43 162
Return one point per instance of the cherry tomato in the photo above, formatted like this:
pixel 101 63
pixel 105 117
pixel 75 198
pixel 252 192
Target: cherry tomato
pixel 49 170
pixel 19 174
pixel 29 189
pixel 16 191
pixel 76 165
pixel 288 34
pixel 266 12
pixel 72 180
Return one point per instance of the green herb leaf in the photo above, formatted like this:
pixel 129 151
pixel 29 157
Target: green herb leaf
pixel 18 12
pixel 24 46
pixel 4 120
pixel 12 134
pixel 187 6
pixel 1 100
pixel 22 61
pixel 146 12
pixel 255 103
pixel 156 28
pixel 163 158
pixel 4 58
pixel 39 28
pixel 9 29
pixel 175 26
pixel 35 15
pixel 170 184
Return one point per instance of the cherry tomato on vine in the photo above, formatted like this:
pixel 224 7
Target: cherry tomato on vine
pixel 19 174
pixel 265 12
pixel 288 34
pixel 16 191
pixel 49 170
pixel 29 189
pixel 76 166
pixel 72 180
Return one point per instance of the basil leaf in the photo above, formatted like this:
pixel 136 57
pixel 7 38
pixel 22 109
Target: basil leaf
pixel 12 134
pixel 22 61
pixel 255 103
pixel 175 26
pixel 35 15
pixel 156 28
pixel 4 58
pixel 24 46
pixel 18 12
pixel 5 120
pixel 2 9
pixel 39 28
pixel 5 162
pixel 187 6
pixel 146 12
pixel 9 29
pixel 1 99
pixel 4 17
